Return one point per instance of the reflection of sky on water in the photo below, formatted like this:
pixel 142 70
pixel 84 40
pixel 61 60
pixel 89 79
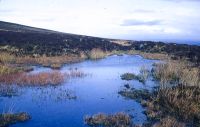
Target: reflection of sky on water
pixel 97 92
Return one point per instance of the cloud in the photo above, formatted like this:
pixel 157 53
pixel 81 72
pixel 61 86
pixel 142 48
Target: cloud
pixel 143 11
pixel 183 0
pixel 43 20
pixel 6 10
pixel 133 22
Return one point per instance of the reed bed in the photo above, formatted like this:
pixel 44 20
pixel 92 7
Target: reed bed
pixel 42 78
pixel 177 72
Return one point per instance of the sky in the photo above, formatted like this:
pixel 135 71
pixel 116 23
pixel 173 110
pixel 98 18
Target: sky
pixel 155 20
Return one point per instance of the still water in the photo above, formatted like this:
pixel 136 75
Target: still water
pixel 67 104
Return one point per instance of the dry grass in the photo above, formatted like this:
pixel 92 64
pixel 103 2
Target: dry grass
pixel 103 120
pixel 42 78
pixel 182 103
pixel 141 77
pixel 169 122
pixel 8 118
pixel 7 58
pixel 158 56
pixel 49 61
pixel 4 69
pixel 177 72
pixel 97 54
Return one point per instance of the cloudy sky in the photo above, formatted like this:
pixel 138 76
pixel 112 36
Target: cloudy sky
pixel 165 20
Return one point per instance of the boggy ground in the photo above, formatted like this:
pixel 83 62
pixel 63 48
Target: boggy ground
pixel 175 103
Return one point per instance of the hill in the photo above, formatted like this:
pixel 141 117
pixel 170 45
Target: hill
pixel 24 40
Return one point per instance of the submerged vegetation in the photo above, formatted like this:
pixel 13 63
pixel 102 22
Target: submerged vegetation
pixel 103 120
pixel 7 119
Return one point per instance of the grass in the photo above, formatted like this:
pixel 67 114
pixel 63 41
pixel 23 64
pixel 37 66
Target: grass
pixel 141 77
pixel 177 72
pixel 179 93
pixel 97 53
pixel 103 120
pixel 180 103
pixel 10 118
pixel 42 78
pixel 135 94
pixel 7 58
pixel 176 101
pixel 169 122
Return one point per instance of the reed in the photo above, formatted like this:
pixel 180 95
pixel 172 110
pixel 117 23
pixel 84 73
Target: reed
pixel 177 72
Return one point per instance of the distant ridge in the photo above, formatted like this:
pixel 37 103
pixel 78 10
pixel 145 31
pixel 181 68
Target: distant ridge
pixel 6 26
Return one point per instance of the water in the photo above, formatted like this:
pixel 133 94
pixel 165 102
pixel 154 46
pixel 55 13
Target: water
pixel 96 93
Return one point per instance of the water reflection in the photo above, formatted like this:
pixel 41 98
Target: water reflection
pixel 67 104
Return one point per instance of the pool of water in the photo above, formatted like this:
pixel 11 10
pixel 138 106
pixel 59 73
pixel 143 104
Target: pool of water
pixel 95 93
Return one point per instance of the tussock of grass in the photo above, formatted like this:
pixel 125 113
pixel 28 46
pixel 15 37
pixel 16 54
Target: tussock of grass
pixel 135 94
pixel 103 120
pixel 169 122
pixel 142 77
pixel 8 118
pixel 183 103
pixel 179 102
pixel 177 72
pixel 97 53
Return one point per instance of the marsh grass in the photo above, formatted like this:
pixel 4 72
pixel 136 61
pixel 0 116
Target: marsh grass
pixel 97 53
pixel 169 122
pixel 42 78
pixel 103 120
pixel 141 77
pixel 7 58
pixel 177 72
pixel 132 93
pixel 181 104
pixel 7 119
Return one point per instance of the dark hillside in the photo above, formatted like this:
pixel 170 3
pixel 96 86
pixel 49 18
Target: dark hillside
pixel 24 40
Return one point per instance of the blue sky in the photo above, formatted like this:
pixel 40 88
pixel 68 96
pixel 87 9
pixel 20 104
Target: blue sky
pixel 165 20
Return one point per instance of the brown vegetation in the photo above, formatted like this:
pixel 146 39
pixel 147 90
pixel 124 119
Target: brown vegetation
pixel 177 72
pixel 169 122
pixel 97 53
pixel 177 97
pixel 43 78
pixel 103 120
pixel 141 77
pixel 8 118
